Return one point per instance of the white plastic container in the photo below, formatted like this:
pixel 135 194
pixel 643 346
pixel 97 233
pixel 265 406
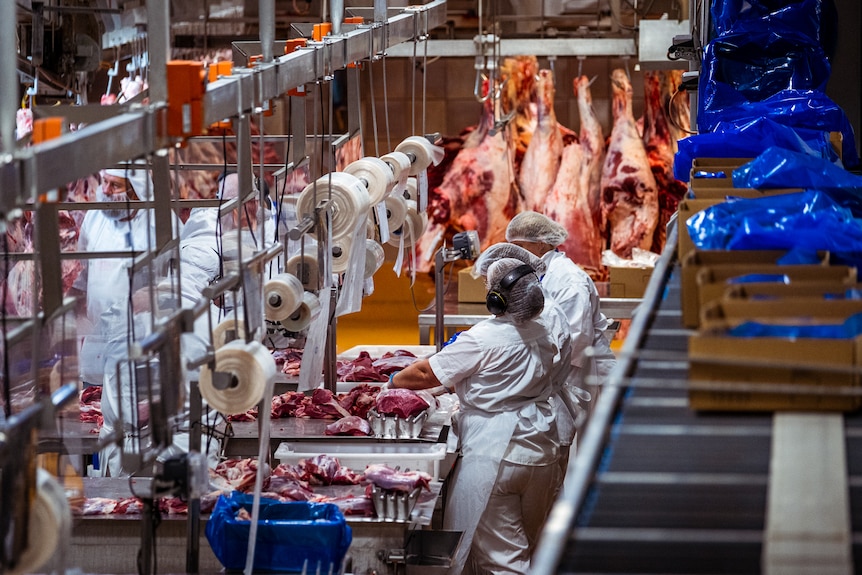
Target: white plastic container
pixel 356 456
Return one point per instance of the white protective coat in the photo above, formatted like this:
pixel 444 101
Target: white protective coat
pixel 504 375
pixel 574 291
pixel 107 287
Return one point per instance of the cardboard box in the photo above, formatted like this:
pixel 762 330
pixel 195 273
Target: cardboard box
pixel 470 290
pixel 712 281
pixel 695 260
pixel 719 193
pixel 818 289
pixel 785 311
pixel 726 362
pixel 712 163
pixel 628 282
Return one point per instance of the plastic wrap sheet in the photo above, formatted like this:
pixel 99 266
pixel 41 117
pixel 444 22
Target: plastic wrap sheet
pixel 748 139
pixel 780 168
pixel 802 17
pixel 290 535
pixel 849 328
pixel 810 220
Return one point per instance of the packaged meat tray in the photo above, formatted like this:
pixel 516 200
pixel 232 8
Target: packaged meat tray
pixel 416 456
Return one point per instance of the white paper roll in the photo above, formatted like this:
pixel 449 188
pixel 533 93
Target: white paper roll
pixel 305 313
pixel 246 367
pixel 421 152
pixel 340 255
pixel 413 228
pixel 227 330
pixel 281 296
pixel 396 211
pixel 49 512
pixel 305 267
pixel 375 174
pixel 399 163
pixel 348 196
pixel 411 190
pixel 374 257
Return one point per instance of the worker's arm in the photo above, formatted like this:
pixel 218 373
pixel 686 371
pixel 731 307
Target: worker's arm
pixel 417 375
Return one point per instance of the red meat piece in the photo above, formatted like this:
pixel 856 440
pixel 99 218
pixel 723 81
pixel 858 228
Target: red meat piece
pixel 402 403
pixel 350 425
pixel 389 479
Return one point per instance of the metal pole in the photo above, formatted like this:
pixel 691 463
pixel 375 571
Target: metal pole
pixel 8 80
pixel 159 46
pixel 336 11
pixel 267 28
pixel 438 300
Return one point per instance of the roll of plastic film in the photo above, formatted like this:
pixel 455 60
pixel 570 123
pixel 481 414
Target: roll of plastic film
pixel 413 227
pixel 348 196
pixel 399 163
pixel 340 255
pixel 370 229
pixel 374 257
pixel 49 512
pixel 396 211
pixel 241 372
pixel 411 190
pixel 281 296
pixel 305 267
pixel 421 152
pixel 375 174
pixel 228 330
pixel 304 314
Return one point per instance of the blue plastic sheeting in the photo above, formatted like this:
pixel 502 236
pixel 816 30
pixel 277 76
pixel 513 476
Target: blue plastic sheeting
pixel 780 168
pixel 289 535
pixel 850 328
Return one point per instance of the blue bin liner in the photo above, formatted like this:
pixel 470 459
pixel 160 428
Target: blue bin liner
pixel 288 535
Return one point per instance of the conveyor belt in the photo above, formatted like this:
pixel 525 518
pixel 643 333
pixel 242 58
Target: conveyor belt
pixel 660 488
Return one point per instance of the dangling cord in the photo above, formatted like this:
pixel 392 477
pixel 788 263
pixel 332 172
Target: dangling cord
pixel 7 383
pixel 373 107
pixel 386 106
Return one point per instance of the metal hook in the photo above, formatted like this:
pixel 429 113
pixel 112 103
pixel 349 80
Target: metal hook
pixel 581 65
pixel 477 87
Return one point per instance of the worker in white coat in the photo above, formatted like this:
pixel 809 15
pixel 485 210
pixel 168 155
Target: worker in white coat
pixel 108 287
pixel 574 291
pixel 505 370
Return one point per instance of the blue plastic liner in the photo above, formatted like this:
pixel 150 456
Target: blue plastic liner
pixel 814 220
pixel 800 16
pixel 780 168
pixel 759 278
pixel 850 328
pixel 749 139
pixel 288 535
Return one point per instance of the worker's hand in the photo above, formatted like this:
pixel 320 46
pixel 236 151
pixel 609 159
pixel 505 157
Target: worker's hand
pixel 389 384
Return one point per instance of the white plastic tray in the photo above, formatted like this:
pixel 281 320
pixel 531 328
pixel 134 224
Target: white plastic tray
pixel 356 456
pixel 376 351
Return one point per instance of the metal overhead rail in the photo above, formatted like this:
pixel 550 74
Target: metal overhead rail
pixel 521 47
pixel 43 167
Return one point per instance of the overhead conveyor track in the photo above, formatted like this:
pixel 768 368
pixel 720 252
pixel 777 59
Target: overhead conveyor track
pixel 657 487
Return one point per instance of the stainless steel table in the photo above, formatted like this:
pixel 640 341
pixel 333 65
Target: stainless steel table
pixel 458 316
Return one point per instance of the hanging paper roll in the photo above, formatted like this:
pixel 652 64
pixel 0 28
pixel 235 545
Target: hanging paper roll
pixel 375 174
pixel 396 211
pixel 304 314
pixel 281 296
pixel 240 376
pixel 228 330
pixel 414 226
pixel 399 163
pixel 305 268
pixel 48 521
pixel 374 257
pixel 348 196
pixel 340 255
pixel 421 152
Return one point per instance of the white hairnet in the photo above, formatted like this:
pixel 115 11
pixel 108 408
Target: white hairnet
pixel 535 227
pixel 139 177
pixel 525 299
pixel 505 250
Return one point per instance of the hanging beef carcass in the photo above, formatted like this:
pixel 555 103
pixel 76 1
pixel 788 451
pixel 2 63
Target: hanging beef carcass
pixel 518 98
pixel 575 199
pixel 666 119
pixel 479 187
pixel 542 158
pixel 629 196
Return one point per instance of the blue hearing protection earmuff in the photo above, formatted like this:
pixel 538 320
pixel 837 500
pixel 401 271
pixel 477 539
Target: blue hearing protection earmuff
pixel 495 301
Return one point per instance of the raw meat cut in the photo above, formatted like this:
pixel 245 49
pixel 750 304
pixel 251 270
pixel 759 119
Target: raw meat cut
pixel 350 425
pixel 400 402
pixel 359 369
pixel 391 362
pixel 239 473
pixel 350 504
pixel 359 400
pixel 542 158
pixel 327 470
pixel 479 187
pixel 518 98
pixel 575 201
pixel 666 119
pixel 389 479
pixel 629 195
pixel 288 488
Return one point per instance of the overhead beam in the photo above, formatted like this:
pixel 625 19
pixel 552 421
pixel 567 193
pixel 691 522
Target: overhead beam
pixel 613 47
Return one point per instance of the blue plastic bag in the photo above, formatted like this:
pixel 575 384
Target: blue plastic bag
pixel 850 328
pixel 289 535
pixel 809 109
pixel 800 16
pixel 780 168
pixel 749 139
pixel 811 220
